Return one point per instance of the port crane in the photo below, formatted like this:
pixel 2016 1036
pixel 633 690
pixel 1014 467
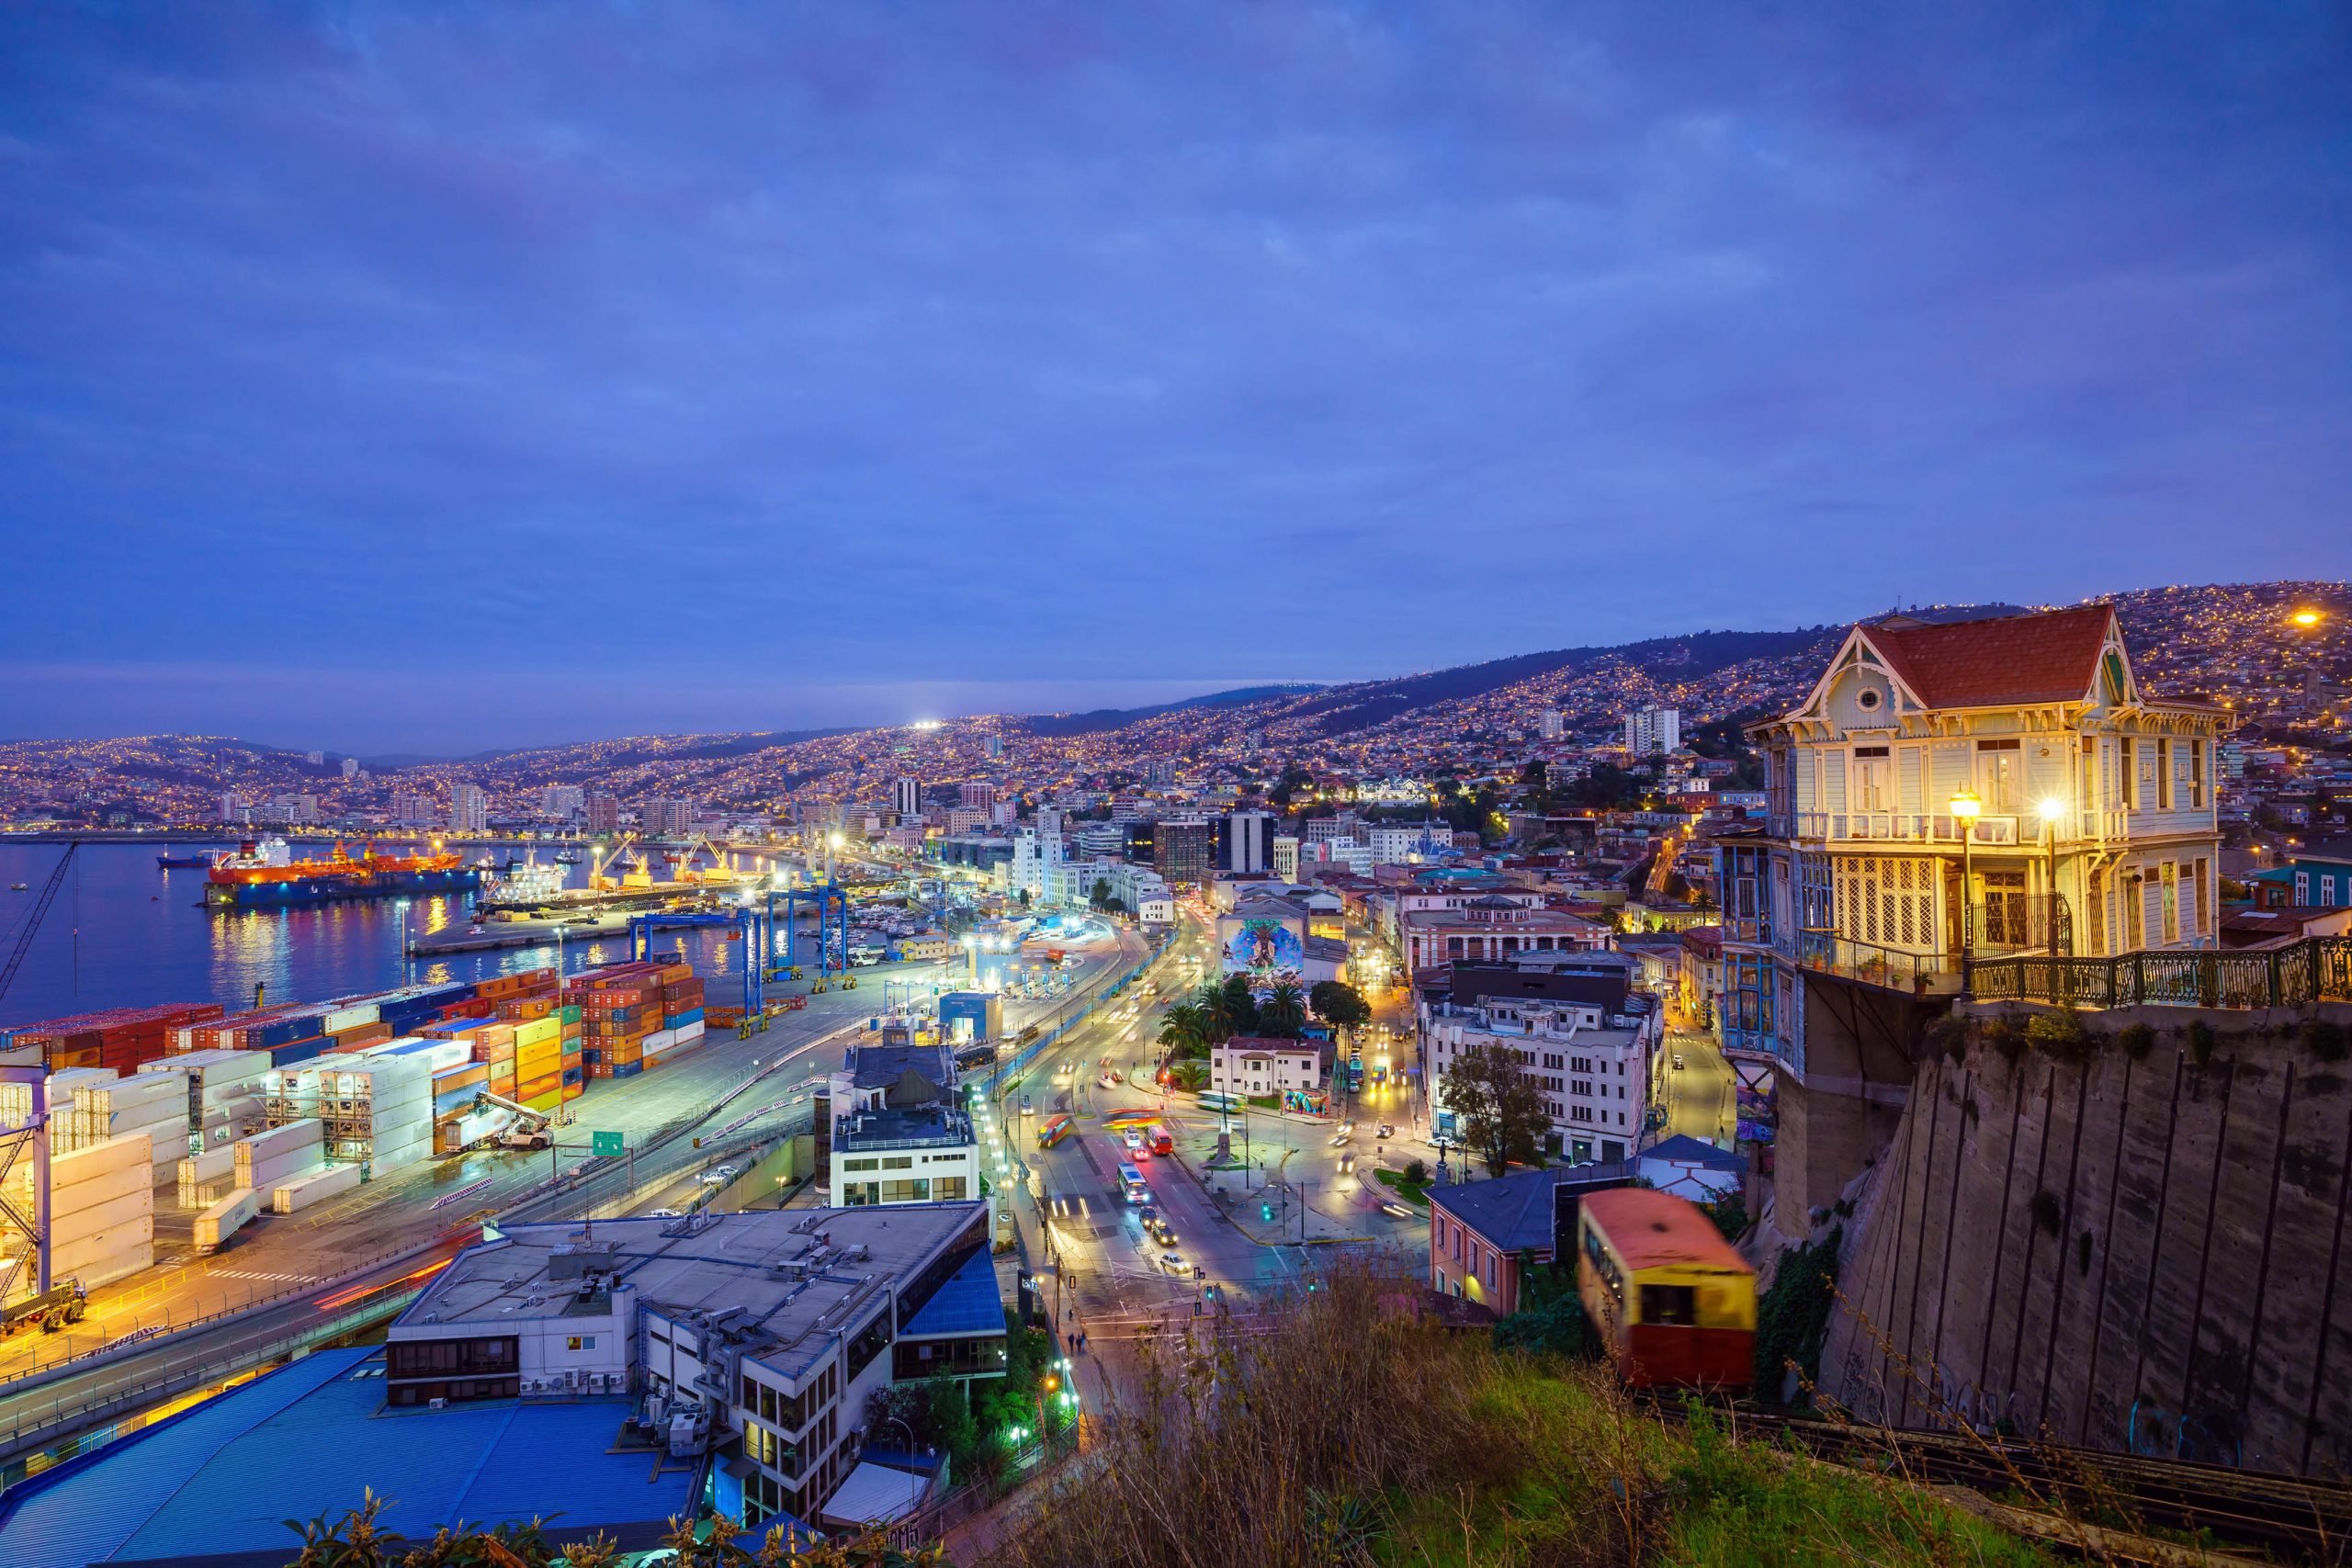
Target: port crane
pixel 605 858
pixel 32 921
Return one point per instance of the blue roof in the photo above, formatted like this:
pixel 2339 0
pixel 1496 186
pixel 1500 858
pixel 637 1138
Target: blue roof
pixel 968 1302
pixel 312 1438
pixel 1684 1149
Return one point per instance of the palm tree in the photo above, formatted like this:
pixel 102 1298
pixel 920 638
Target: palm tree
pixel 1284 1013
pixel 1241 1004
pixel 1184 1031
pixel 1217 1016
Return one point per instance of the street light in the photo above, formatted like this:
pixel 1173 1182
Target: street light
pixel 1965 806
pixel 2052 810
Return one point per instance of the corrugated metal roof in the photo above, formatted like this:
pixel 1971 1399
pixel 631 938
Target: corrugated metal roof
pixel 314 1437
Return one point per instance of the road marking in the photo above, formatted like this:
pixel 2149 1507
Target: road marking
pixel 257 1274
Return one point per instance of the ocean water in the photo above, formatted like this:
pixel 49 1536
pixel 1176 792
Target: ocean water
pixel 124 932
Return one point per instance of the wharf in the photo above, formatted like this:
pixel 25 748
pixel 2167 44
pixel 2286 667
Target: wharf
pixel 519 933
pixel 583 901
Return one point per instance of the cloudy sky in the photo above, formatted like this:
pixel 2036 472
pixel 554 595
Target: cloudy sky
pixel 416 376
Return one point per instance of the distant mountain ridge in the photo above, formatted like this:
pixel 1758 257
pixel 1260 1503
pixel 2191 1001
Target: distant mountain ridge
pixel 1097 720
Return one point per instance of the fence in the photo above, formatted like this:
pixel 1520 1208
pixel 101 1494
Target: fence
pixel 2317 969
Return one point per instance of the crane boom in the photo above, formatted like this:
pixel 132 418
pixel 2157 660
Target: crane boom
pixel 32 921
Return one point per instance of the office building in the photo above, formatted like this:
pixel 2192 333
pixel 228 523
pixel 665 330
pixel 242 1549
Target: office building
pixel 1184 850
pixel 994 747
pixel 979 795
pixel 1654 731
pixel 906 799
pixel 561 803
pixel 294 810
pixel 604 813
pixel 469 809
pixel 1284 857
pixel 233 812
pixel 1248 848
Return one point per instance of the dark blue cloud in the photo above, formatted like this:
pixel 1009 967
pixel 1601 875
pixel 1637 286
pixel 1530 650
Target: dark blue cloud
pixel 415 375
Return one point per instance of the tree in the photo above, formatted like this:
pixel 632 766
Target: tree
pixel 1184 1030
pixel 1498 1108
pixel 1101 893
pixel 1192 1076
pixel 1339 1004
pixel 1241 1004
pixel 1217 1019
pixel 1282 1014
pixel 1550 1319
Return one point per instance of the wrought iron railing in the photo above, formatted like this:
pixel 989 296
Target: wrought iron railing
pixel 2315 969
pixel 1827 952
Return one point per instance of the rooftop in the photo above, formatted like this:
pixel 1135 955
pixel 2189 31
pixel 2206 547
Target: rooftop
pixel 2050 656
pixel 795 1275
pixel 901 1125
pixel 215 1483
pixel 1513 1214
pixel 1649 1229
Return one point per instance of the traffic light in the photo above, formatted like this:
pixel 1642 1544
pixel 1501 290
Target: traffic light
pixel 1265 1210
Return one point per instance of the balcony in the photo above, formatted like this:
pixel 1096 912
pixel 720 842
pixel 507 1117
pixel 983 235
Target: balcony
pixel 1922 974
pixel 1755 1042
pixel 1752 930
pixel 1902 828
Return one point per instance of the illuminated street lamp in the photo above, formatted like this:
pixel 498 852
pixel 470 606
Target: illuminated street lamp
pixel 1965 806
pixel 2052 810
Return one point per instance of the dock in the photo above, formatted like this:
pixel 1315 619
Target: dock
pixel 500 935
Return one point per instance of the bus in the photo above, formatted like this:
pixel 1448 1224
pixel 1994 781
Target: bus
pixel 1056 1129
pixel 1131 1184
pixel 1158 1140
pixel 1219 1100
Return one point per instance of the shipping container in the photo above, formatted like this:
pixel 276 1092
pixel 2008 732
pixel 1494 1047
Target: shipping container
pixel 218 1224
pixel 292 1197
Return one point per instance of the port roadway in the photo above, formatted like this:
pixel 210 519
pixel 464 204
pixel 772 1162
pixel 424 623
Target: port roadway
pixel 286 1274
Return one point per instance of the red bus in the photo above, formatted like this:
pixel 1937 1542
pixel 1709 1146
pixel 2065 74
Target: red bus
pixel 1056 1129
pixel 1158 1139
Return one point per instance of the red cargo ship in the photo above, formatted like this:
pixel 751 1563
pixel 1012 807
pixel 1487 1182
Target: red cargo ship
pixel 266 875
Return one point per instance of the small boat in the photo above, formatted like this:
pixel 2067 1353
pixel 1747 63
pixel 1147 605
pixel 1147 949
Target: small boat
pixel 565 857
pixel 200 861
pixel 16 887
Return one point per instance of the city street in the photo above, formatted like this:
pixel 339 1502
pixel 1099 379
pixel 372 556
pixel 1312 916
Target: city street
pixel 1699 1097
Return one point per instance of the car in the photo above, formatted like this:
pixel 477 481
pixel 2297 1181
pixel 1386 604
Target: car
pixel 1025 1105
pixel 1132 1138
pixel 1677 1061
pixel 1164 1235
pixel 1387 1129
pixel 1110 1081
pixel 665 1214
pixel 713 1178
pixel 1148 1215
pixel 1173 1263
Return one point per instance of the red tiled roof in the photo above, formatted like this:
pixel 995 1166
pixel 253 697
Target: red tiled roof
pixel 2049 656
pixel 1656 1230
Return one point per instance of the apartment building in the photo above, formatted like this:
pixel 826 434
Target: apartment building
pixel 1590 1061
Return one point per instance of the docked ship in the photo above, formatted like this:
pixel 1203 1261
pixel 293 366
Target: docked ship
pixel 266 875
pixel 200 861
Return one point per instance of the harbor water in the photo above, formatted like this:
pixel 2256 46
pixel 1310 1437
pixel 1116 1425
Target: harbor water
pixel 125 932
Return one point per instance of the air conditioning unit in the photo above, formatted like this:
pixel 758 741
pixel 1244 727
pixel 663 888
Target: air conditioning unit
pixel 436 1405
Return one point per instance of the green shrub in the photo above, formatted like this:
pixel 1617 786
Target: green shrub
pixel 2200 1041
pixel 1948 1035
pixel 2004 1035
pixel 2060 1035
pixel 1417 1172
pixel 2137 1041
pixel 2325 1038
pixel 1793 1318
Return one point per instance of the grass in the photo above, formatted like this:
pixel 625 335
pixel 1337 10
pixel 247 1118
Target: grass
pixel 1265 1103
pixel 1355 1432
pixel 1414 1193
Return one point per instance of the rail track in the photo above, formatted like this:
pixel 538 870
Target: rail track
pixel 2286 1517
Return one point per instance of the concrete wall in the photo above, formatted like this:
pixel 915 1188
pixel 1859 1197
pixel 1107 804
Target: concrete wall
pixel 2210 1316
pixel 1841 1115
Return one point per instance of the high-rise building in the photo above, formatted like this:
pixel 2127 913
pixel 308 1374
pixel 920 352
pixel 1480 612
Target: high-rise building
pixel 294 810
pixel 1549 724
pixel 1654 731
pixel 1184 849
pixel 670 818
pixel 604 813
pixel 561 802
pixel 351 767
pixel 1050 822
pixel 979 795
pixel 233 811
pixel 906 797
pixel 469 809
pixel 1249 847
pixel 411 806
pixel 1285 856
pixel 994 746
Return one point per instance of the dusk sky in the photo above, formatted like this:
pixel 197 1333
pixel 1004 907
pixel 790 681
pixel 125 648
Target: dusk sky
pixel 396 377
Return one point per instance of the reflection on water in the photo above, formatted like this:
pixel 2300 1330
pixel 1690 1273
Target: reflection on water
pixel 124 932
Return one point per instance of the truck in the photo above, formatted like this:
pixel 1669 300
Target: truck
pixel 48 1312
pixel 218 1224
pixel 532 1129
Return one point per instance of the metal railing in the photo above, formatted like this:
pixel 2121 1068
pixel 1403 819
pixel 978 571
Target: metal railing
pixel 1829 953
pixel 1904 827
pixel 2317 969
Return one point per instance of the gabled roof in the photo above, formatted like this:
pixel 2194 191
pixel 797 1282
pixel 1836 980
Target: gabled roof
pixel 2049 656
pixel 1513 1213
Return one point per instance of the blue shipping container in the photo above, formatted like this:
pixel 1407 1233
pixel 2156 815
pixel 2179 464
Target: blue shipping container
pixel 300 1051
pixel 627 1070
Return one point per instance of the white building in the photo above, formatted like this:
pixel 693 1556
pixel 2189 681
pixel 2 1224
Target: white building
pixel 1590 1065
pixel 233 811
pixel 1407 843
pixel 1549 724
pixel 561 803
pixel 1285 856
pixel 1247 849
pixel 1156 909
pixel 1654 731
pixel 668 818
pixel 1248 1065
pixel 350 766
pixel 906 797
pixel 469 809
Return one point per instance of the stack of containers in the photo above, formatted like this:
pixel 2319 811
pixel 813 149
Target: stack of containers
pixel 205 1178
pixel 17 1099
pixel 123 1038
pixel 281 1154
pixel 300 1192
pixel 614 1013
pixel 538 1063
pixel 101 1209
pixel 569 1019
pixel 150 1106
pixel 380 1110
pixel 682 1017
pixel 224 1091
